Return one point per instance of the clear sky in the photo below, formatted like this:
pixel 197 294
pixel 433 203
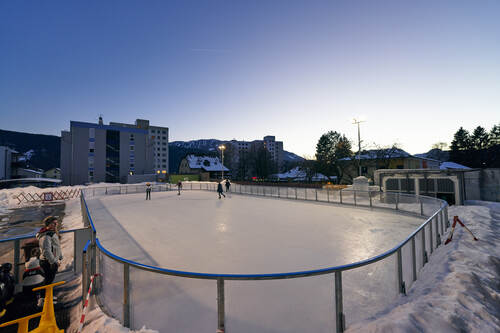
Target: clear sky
pixel 415 70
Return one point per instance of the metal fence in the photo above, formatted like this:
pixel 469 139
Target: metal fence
pixel 138 294
pixel 12 246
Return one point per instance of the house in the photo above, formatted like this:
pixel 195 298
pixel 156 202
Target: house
pixel 54 173
pixel 391 158
pixel 207 167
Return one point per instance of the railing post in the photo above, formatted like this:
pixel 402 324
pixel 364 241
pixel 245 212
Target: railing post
pixel 16 260
pixel 340 192
pixel 339 306
pixel 327 194
pixel 402 287
pixel 421 206
pixel 220 305
pixel 279 196
pixel 438 237
pixel 442 221
pixel 126 295
pixel 305 193
pixel 93 192
pixel 355 201
pixel 84 277
pixel 430 236
pixel 424 250
pixel 106 192
pixel 316 194
pixel 397 200
pixel 414 258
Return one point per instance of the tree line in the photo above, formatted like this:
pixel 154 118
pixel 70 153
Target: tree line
pixel 479 149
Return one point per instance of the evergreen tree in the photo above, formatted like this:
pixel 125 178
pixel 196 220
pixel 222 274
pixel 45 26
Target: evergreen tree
pixel 461 140
pixel 480 138
pixel 461 147
pixel 495 135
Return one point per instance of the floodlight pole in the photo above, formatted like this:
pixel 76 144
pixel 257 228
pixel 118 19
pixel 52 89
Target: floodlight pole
pixel 357 122
pixel 222 147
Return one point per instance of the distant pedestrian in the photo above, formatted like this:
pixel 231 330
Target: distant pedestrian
pixel 50 248
pixel 179 187
pixel 220 190
pixel 228 185
pixel 148 191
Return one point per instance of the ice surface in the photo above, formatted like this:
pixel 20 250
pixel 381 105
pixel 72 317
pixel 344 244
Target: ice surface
pixel 243 234
pixel 248 235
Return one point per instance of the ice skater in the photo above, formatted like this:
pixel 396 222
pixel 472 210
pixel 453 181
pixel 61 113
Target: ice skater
pixel 220 190
pixel 228 185
pixel 148 191
pixel 179 187
pixel 50 248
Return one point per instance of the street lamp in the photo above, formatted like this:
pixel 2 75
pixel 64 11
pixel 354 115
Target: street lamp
pixel 222 147
pixel 357 122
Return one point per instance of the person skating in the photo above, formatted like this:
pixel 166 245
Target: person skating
pixel 220 190
pixel 50 248
pixel 179 187
pixel 228 185
pixel 148 191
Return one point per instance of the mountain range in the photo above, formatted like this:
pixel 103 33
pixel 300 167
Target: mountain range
pixel 44 151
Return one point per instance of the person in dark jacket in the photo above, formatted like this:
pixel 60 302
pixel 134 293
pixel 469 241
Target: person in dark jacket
pixel 220 190
pixel 148 191
pixel 50 248
pixel 179 187
pixel 228 185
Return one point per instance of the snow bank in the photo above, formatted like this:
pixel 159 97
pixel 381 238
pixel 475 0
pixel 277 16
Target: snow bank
pixel 458 289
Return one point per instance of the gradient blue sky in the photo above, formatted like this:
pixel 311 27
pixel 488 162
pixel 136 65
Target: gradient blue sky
pixel 415 70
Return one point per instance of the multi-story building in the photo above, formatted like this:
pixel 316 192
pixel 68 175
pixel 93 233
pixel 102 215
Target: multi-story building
pixel 241 148
pixel 109 153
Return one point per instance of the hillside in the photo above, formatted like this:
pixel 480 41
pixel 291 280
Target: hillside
pixel 46 148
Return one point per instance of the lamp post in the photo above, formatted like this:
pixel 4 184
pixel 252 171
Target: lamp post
pixel 222 147
pixel 357 122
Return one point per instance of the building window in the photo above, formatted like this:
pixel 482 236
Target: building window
pixel 164 143
pixel 132 165
pixel 164 149
pixel 158 154
pixel 92 133
pixel 131 148
pixel 131 137
pixel 164 166
pixel 91 150
pixel 164 132
pixel 91 173
pixel 164 160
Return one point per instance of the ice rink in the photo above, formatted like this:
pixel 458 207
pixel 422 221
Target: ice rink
pixel 243 234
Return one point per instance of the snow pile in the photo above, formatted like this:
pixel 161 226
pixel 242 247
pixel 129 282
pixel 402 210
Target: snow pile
pixel 458 289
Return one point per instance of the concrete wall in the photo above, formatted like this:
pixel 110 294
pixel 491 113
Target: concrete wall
pixel 133 179
pixel 80 158
pixel 490 185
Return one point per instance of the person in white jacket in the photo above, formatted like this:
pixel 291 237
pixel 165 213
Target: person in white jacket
pixel 50 248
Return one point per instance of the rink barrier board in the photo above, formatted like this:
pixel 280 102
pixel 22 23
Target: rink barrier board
pixel 346 197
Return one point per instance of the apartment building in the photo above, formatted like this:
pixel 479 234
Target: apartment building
pixel 92 153
pixel 275 148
